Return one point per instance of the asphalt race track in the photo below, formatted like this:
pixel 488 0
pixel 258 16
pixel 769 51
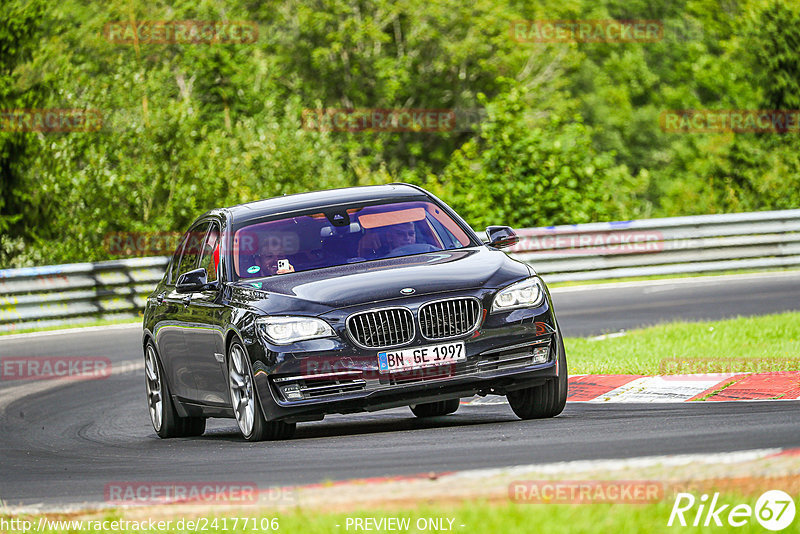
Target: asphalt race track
pixel 60 444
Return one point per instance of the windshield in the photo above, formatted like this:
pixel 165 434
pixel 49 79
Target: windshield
pixel 341 236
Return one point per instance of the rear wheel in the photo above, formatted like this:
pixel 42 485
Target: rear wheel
pixel 547 400
pixel 166 421
pixel 245 403
pixel 434 409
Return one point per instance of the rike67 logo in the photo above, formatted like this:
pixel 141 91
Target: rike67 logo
pixel 774 510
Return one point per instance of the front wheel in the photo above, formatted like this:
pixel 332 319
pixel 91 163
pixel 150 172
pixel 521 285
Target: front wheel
pixel 547 400
pixel 245 403
pixel 434 409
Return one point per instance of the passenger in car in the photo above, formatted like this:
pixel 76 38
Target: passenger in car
pixel 267 258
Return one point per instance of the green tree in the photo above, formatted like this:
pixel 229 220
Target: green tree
pixel 529 169
pixel 20 28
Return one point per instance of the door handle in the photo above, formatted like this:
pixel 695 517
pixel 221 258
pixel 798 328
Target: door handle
pixel 160 298
pixel 186 300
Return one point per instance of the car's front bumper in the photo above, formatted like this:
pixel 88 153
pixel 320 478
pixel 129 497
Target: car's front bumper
pixel 327 376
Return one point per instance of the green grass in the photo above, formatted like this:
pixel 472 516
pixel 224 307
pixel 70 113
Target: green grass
pixel 485 518
pixel 752 344
pixel 99 322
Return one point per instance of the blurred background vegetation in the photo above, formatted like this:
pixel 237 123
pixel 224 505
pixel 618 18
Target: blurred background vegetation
pixel 570 135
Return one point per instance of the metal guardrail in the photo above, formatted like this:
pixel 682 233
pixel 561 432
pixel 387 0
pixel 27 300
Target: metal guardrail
pixel 77 292
pixel 83 292
pixel 676 245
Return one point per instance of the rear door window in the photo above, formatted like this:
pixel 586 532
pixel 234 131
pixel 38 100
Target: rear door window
pixel 209 259
pixel 176 260
pixel 193 249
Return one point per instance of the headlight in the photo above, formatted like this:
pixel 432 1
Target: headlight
pixel 520 295
pixel 285 330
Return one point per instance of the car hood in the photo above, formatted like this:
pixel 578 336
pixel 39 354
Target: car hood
pixel 319 291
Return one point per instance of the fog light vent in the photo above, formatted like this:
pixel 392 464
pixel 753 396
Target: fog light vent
pixel 540 354
pixel 291 391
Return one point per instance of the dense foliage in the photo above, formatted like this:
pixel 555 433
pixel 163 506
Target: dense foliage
pixel 570 131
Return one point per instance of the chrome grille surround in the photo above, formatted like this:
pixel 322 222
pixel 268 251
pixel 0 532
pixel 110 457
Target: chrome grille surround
pixel 449 318
pixel 382 328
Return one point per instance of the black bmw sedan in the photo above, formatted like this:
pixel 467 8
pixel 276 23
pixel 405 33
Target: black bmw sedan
pixel 287 309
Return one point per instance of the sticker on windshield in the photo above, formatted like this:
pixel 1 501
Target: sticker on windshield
pixel 254 269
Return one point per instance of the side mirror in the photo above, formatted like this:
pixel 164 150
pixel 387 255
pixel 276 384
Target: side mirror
pixel 501 236
pixel 192 281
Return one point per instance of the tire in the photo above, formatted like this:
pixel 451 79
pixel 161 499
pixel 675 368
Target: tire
pixel 435 409
pixel 245 403
pixel 547 400
pixel 163 415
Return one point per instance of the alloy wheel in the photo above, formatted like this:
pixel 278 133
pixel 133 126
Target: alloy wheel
pixel 153 380
pixel 241 390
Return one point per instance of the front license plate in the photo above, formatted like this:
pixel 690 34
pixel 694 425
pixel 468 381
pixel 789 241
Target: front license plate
pixel 391 361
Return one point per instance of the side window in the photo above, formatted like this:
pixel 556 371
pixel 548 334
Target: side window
pixel 194 247
pixel 176 258
pixel 209 260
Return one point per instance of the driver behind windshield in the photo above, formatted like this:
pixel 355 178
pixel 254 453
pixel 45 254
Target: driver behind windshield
pixel 381 242
pixel 400 235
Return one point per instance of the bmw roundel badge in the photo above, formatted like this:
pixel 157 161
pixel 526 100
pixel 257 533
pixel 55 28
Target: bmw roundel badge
pixel 407 291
